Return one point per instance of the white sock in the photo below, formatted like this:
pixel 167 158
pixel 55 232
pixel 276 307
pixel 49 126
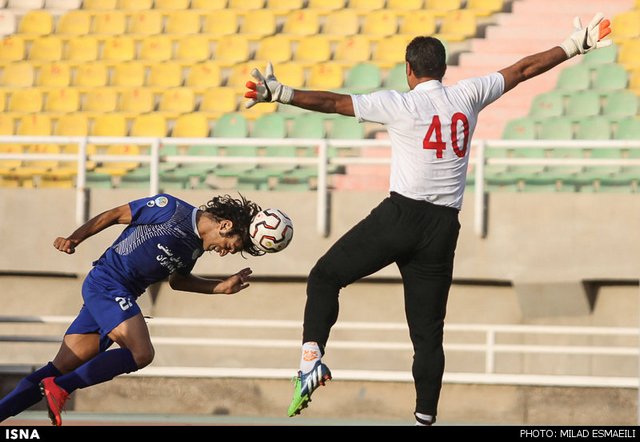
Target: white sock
pixel 310 355
pixel 424 420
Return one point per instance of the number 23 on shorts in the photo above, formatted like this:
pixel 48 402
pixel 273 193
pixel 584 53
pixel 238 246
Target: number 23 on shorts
pixel 436 129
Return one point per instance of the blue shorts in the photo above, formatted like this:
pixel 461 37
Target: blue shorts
pixel 105 307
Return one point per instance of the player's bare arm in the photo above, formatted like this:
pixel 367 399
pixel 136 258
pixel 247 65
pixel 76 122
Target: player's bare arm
pixel 117 215
pixel 532 66
pixel 321 101
pixel 196 284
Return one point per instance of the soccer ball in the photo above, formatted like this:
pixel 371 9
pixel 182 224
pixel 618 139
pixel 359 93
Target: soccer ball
pixel 271 230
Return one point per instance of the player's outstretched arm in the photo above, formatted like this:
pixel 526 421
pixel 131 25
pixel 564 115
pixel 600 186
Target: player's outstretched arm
pixel 196 284
pixel 581 41
pixel 268 89
pixel 117 215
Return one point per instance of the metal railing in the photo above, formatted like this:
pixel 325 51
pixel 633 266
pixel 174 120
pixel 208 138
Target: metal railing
pixel 321 161
pixel 483 339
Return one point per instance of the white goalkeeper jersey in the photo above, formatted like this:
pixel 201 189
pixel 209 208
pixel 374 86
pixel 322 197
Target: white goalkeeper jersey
pixel 430 129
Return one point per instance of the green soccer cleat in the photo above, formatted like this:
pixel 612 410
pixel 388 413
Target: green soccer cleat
pixel 305 385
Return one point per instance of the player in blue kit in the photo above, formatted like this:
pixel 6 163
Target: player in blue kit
pixel 164 238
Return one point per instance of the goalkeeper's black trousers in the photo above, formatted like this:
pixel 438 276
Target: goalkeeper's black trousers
pixel 420 238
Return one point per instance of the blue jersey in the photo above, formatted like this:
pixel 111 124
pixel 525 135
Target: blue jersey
pixel 161 239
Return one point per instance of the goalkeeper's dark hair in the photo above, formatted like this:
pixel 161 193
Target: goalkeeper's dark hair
pixel 240 211
pixel 427 57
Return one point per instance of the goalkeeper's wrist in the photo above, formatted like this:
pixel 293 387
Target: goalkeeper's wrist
pixel 570 48
pixel 285 94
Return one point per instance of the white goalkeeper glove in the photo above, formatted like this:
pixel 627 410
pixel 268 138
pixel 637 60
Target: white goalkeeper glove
pixel 267 89
pixel 586 39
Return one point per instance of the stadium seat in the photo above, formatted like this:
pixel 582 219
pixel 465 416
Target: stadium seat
pixel 325 6
pixel 193 49
pixel 301 23
pixel 39 167
pixel 362 78
pixel 8 22
pixel 593 128
pixel 233 125
pixel 176 101
pixel 149 125
pixel 81 49
pixel 556 129
pixel 596 128
pixel 246 5
pixel 353 49
pixel 209 4
pixel 634 81
pixel 457 26
pixel 136 100
pixel 26 100
pixel 231 49
pixel 109 125
pixel 7 166
pixel 100 5
pixel 345 128
pixel 73 23
pixel 54 75
pixel 366 6
pixel 272 126
pixel 34 124
pixel 164 74
pixel 220 23
pixel 90 75
pixel 610 77
pixel 484 8
pixel 192 125
pixel 310 125
pixel 35 23
pixel 12 49
pixel 128 74
pixel 326 75
pixel 119 168
pixel 172 4
pixel 45 49
pixel 291 74
pixel 396 78
pixel 202 76
pixel 574 78
pixel 18 75
pixel 621 104
pixel 520 129
pixel 312 49
pixel 625 25
pixel 549 104
pixel 218 101
pixel 3 103
pixel 583 104
pixel 182 22
pixel 238 76
pixel 63 100
pixel 442 7
pixel 380 23
pixel 605 55
pixel 118 48
pixel 269 126
pixel 628 129
pixel 275 48
pixel 341 23
pixel 390 51
pixel 283 7
pixel 100 100
pixel 258 24
pixel 109 23
pixel 145 22
pixel 628 55
pixel 405 6
pixel 135 5
pixel 156 48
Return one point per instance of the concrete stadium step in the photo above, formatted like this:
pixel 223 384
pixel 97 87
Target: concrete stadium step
pixel 571 7
pixel 505 45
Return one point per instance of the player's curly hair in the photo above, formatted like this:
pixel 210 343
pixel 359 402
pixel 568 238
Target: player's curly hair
pixel 427 57
pixel 240 212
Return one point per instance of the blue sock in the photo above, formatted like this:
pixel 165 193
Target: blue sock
pixel 26 393
pixel 102 368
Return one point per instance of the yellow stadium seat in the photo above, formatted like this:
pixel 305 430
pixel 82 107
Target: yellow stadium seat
pixel 219 23
pixel 81 49
pixel 137 100
pixel 7 124
pixel 390 51
pixel 54 75
pixel 193 125
pixel 18 75
pixel 625 25
pixel 72 125
pixel 91 75
pixel 276 48
pixel 353 49
pixel 239 75
pixel 34 124
pixel 70 167
pixel 634 81
pixel 119 168
pixel 441 7
pixel 208 4
pixel 44 49
pixel 165 74
pixel 176 101
pixel 102 5
pixel 326 76
pixel 35 23
pixel 109 23
pixel 326 6
pixel 172 4
pixel 258 111
pixel 231 49
pixel 366 5
pixel 26 100
pixel 69 125
pixel 193 48
pixel 99 101
pixel 418 23
pixel 182 22
pixel 380 23
pixel 218 101
pixel 291 74
pixel 405 6
pixel 74 23
pixel 12 49
pixel 312 49
pixel 145 22
pixel 258 24
pixel 283 7
pixel 484 8
pixel 128 74
pixel 3 102
pixel 118 48
pixel 156 48
pixel 135 5
pixel 301 23
pixel 341 23
pixel 6 166
pixel 39 167
pixel 458 26
pixel 628 55
pixel 203 75
pixel 109 125
pixel 149 125
pixel 245 5
pixel 63 100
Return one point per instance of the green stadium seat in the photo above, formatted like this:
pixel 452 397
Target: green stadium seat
pixel 362 78
pixel 397 78
pixel 628 129
pixel 520 129
pixel 574 78
pixel 583 104
pixel 610 77
pixel 601 56
pixel 233 125
pixel 621 104
pixel 549 104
